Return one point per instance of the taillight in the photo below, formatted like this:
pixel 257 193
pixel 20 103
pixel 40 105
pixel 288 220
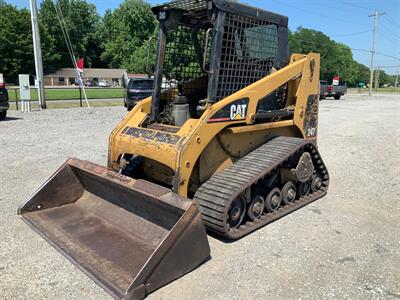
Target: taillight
pixel 330 88
pixel 2 85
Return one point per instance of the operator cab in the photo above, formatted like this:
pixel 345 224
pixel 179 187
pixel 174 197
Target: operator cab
pixel 210 50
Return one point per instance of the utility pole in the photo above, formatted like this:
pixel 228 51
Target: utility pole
pixel 37 52
pixel 378 71
pixel 376 15
pixel 397 76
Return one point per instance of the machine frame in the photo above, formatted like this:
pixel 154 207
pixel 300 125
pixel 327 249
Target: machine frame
pixel 179 148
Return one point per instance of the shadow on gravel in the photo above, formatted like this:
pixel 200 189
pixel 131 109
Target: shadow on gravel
pixel 11 119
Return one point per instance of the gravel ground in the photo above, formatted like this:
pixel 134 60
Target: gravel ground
pixel 346 245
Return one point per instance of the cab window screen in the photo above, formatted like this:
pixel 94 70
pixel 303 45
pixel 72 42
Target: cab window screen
pixel 248 53
pixel 262 42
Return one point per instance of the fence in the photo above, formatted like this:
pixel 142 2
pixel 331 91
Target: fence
pixel 69 94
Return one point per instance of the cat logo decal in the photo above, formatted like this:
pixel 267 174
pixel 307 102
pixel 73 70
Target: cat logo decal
pixel 235 111
pixel 238 112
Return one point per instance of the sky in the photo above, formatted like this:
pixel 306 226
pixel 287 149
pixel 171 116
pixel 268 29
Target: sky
pixel 344 21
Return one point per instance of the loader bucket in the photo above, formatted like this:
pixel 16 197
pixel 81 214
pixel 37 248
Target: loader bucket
pixel 130 236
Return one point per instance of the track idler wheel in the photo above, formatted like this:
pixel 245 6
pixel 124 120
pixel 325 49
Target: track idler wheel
pixel 289 191
pixel 256 207
pixel 237 211
pixel 273 200
pixel 316 184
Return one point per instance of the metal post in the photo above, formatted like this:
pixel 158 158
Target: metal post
pixel 376 15
pixel 371 77
pixel 397 76
pixel 37 54
pixel 16 99
pixel 377 78
pixel 80 95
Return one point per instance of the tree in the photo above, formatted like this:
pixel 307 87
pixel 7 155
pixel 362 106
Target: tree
pixel 124 33
pixel 343 64
pixel 81 22
pixel 363 73
pixel 336 58
pixel 307 40
pixel 16 46
pixel 15 42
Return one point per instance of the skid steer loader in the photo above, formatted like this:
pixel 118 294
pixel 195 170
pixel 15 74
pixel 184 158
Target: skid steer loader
pixel 226 142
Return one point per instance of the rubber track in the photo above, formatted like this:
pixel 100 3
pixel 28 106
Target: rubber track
pixel 215 196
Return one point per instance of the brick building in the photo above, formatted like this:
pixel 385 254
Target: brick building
pixel 67 76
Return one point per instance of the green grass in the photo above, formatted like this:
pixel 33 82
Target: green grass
pixel 378 90
pixel 66 94
pixel 388 90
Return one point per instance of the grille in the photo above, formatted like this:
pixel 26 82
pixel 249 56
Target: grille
pixel 140 95
pixel 248 52
pixel 3 95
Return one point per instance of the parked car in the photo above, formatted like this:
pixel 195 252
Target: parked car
pixel 3 101
pixel 91 83
pixel 335 91
pixel 103 83
pixel 136 90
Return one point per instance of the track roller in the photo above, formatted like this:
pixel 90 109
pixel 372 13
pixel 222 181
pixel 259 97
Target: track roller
pixel 289 191
pixel 237 211
pixel 256 207
pixel 273 200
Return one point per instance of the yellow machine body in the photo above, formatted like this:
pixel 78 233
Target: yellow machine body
pixel 184 157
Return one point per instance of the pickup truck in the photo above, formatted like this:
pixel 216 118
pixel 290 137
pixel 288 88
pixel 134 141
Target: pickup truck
pixel 3 101
pixel 335 91
pixel 137 89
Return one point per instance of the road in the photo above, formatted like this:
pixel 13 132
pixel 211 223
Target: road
pixel 344 246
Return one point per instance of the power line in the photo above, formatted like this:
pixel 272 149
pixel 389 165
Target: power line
pixel 356 5
pixel 64 30
pixel 372 51
pixel 391 27
pixel 70 50
pixel 361 50
pixel 389 39
pixel 389 32
pixel 323 3
pixel 393 21
pixel 387 67
pixel 319 15
pixel 351 34
pixel 353 49
pixel 387 55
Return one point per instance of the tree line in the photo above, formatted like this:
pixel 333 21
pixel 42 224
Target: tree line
pixel 119 39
